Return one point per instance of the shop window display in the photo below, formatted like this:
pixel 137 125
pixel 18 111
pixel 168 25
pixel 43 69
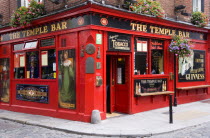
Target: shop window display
pixel 31 62
pixel 146 50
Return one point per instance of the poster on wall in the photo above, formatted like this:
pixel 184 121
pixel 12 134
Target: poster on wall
pixel 4 80
pixel 149 85
pixel 67 81
pixel 33 93
pixel 192 68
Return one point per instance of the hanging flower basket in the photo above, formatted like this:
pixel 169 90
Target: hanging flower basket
pixel 199 19
pixel 148 7
pixel 24 15
pixel 181 47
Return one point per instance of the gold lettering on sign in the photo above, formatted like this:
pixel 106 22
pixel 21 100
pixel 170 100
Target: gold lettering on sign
pixel 58 26
pixel 139 27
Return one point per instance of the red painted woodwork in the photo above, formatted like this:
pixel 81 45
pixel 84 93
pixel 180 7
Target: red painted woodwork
pixel 88 96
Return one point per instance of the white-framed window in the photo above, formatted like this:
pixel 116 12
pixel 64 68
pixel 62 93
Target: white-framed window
pixel 26 2
pixel 198 5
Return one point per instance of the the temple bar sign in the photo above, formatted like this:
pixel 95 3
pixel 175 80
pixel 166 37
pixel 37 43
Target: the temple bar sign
pixel 158 30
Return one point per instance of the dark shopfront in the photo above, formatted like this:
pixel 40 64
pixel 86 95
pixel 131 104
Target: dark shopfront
pixel 66 66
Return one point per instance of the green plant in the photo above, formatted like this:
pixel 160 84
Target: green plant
pixel 148 7
pixel 23 16
pixel 180 46
pixel 199 19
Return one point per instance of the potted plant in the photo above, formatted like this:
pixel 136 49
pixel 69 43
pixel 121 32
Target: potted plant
pixel 24 15
pixel 199 19
pixel 148 7
pixel 180 46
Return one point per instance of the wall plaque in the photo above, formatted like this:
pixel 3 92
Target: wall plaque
pixel 119 42
pixel 90 49
pixel 33 93
pixel 90 65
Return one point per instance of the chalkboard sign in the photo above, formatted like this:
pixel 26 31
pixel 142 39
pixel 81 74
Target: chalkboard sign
pixel 47 42
pixel 192 68
pixel 119 42
pixel 149 85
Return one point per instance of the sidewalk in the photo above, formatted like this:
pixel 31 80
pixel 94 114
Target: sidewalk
pixel 141 124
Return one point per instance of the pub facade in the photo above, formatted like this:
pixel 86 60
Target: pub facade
pixel 96 57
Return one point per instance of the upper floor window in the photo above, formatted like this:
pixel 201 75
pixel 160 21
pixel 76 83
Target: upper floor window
pixel 198 5
pixel 26 2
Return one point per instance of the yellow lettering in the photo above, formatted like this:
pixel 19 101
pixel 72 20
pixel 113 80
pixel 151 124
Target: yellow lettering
pixel 53 27
pixel 139 27
pixel 157 30
pixel 162 30
pixel 58 27
pixel 64 25
pixel 152 29
pixel 187 34
pixel 144 28
pixel 180 33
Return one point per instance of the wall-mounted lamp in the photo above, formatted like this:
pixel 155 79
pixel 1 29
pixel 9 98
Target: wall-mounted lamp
pixel 180 9
pixel 56 1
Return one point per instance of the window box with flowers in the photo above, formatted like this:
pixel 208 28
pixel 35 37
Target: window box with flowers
pixel 24 15
pixel 199 19
pixel 148 7
pixel 181 47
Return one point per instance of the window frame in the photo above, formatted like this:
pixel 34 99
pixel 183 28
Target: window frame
pixel 149 55
pixel 39 50
pixel 198 5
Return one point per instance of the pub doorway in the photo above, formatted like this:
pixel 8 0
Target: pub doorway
pixel 117 84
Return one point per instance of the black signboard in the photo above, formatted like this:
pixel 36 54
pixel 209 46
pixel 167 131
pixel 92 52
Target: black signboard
pixel 145 27
pixel 119 42
pixel 33 93
pixel 149 85
pixel 192 68
pixel 47 42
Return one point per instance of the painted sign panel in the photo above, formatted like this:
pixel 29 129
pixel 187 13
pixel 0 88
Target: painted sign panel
pixel 192 68
pixel 67 80
pixel 4 80
pixel 119 42
pixel 145 27
pixel 33 93
pixel 52 27
pixel 149 85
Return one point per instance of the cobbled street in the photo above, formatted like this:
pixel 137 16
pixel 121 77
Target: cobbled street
pixel 10 129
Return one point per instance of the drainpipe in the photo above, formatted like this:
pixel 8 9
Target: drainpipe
pixel 175 75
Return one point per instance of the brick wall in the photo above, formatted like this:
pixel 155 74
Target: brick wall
pixel 6 9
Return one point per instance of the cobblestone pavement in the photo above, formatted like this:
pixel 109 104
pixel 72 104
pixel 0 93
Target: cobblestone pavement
pixel 10 129
pixel 201 131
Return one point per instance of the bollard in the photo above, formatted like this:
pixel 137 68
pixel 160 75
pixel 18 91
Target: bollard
pixel 170 110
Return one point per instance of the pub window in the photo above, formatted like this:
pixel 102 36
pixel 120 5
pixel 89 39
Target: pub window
pixel 148 58
pixel 48 64
pixel 31 61
pixel 198 5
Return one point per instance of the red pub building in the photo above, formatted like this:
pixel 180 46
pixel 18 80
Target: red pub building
pixel 95 56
